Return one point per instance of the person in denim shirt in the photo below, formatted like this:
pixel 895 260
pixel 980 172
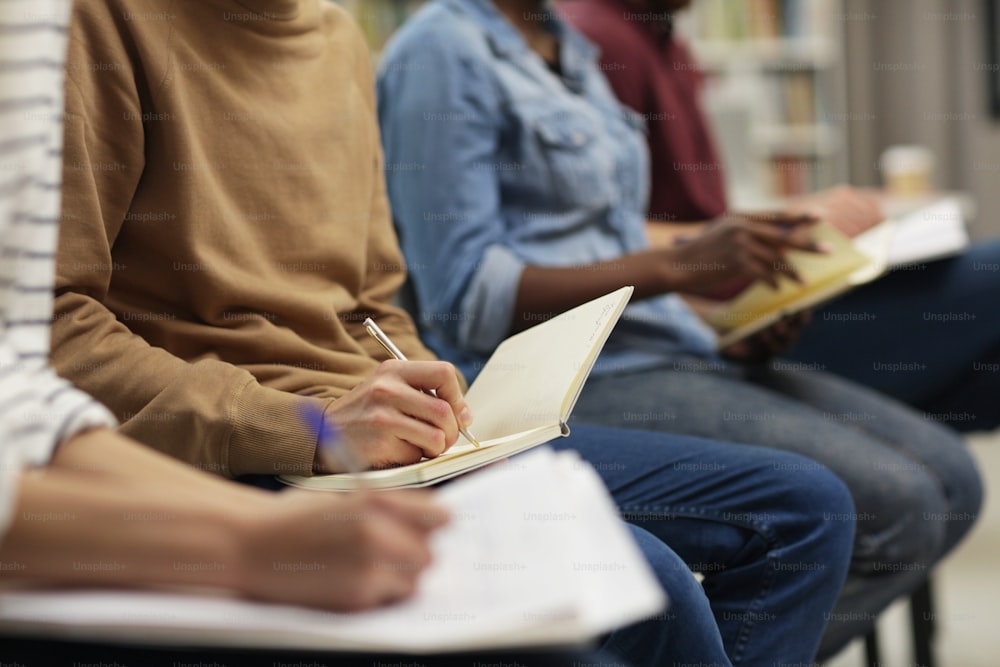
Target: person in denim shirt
pixel 518 186
pixel 770 544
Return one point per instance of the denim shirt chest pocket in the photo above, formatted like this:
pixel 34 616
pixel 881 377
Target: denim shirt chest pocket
pixel 579 165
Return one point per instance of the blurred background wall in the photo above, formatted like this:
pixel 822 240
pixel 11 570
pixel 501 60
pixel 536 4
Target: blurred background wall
pixel 917 73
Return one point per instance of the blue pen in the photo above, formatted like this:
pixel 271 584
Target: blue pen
pixel 330 448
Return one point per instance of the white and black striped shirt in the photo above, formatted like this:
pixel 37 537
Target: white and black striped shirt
pixel 37 409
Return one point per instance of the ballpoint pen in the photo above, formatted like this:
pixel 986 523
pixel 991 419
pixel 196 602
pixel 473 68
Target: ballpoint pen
pixel 396 353
pixel 331 450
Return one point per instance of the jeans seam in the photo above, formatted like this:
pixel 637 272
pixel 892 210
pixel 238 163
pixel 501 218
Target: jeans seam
pixel 763 529
pixel 743 639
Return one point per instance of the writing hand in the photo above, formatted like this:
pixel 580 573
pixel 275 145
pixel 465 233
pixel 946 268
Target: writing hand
pixel 344 552
pixel 389 420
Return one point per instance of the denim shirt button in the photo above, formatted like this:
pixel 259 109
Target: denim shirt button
pixel 579 138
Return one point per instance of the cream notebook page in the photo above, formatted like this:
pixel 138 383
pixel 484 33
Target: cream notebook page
pixel 522 397
pixel 533 379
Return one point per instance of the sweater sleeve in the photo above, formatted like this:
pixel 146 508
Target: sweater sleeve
pixel 386 269
pixel 208 413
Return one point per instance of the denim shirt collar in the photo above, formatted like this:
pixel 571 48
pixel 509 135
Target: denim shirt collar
pixel 575 52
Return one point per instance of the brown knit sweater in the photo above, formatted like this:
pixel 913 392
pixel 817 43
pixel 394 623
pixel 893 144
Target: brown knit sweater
pixel 225 226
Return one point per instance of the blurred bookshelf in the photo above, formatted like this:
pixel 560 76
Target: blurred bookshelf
pixel 776 92
pixel 775 89
pixel 380 18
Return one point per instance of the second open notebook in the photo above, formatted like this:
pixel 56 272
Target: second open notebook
pixel 534 555
pixel 522 398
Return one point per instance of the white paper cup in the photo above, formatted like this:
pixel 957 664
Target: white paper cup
pixel 908 171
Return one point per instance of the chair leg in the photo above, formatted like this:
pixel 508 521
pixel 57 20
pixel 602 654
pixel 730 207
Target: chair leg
pixel 923 624
pixel 871 649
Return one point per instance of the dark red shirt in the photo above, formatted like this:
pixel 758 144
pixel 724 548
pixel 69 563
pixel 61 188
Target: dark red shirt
pixel 654 74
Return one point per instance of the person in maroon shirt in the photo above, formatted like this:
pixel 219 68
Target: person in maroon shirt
pixel 653 72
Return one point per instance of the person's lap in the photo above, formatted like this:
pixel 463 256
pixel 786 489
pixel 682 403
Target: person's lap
pixel 915 487
pixel 934 451
pixel 927 335
pixel 886 454
pixel 686 632
pixel 733 513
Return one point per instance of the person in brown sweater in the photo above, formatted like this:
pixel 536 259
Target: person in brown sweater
pixel 226 232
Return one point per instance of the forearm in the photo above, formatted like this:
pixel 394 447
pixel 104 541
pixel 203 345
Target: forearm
pixel 727 252
pixel 666 234
pixel 108 512
pixel 111 512
pixel 546 291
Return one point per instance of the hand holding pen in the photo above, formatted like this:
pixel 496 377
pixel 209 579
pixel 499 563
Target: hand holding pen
pixel 390 347
pixel 387 420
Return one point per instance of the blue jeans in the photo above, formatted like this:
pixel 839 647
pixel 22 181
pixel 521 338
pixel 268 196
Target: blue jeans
pixel 916 489
pixel 927 335
pixel 770 531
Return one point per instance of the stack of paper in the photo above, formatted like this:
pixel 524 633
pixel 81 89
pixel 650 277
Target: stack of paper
pixel 931 232
pixel 535 556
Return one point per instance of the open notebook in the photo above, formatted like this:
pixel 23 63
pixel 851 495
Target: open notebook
pixel 850 262
pixel 535 555
pixel 927 232
pixel 522 398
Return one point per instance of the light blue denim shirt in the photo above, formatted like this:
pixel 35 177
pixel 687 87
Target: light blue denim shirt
pixel 495 162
